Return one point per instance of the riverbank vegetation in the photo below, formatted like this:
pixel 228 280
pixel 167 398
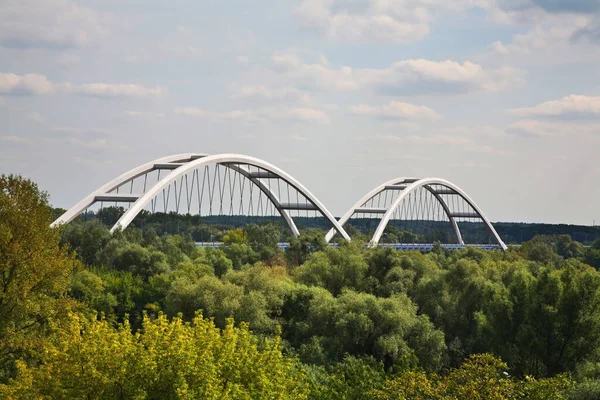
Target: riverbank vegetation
pixel 138 314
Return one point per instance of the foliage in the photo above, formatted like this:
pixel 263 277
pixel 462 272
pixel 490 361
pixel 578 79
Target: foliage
pixel 353 322
pixel 165 360
pixel 34 271
pixel 481 377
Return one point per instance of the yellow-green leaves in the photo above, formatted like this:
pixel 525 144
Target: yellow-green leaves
pixel 481 377
pixel 165 360
pixel 34 271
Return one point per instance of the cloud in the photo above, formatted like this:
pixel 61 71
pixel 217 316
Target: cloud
pixel 534 128
pixel 243 60
pixel 393 21
pixel 439 77
pixel 28 84
pixel 235 115
pixel 36 84
pixel 551 6
pixel 70 130
pixel 590 32
pixel 407 77
pixel 143 114
pixel 539 38
pixel 112 90
pixel 262 92
pixel 297 138
pixel 309 115
pixel 17 140
pixel 470 165
pixel 435 139
pixel 54 24
pixel 465 143
pixel 475 131
pixel 397 110
pixel 95 144
pixel 374 25
pixel 264 115
pixel 530 128
pixel 317 75
pixel 89 162
pixel 572 106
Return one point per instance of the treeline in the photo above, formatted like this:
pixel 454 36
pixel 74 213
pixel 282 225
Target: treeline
pixel 135 314
pixel 212 228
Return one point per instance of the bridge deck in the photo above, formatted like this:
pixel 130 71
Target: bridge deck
pixel 398 246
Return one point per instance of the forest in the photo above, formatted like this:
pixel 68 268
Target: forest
pixel 145 313
pixel 212 228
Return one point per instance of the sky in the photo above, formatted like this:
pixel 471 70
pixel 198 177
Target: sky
pixel 501 97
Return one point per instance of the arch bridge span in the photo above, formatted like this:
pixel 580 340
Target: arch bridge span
pixel 235 185
pixel 227 184
pixel 427 201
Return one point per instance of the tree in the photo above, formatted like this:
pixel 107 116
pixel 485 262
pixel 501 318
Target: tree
pixel 87 239
pixel 480 377
pixel 353 378
pixel 300 247
pixel 139 260
pixel 34 270
pixel 166 360
pixel 362 324
pixel 264 239
pixel 335 269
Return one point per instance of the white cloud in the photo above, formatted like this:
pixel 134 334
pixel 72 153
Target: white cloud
pixel 16 140
pixel 70 130
pixel 590 32
pixel 538 39
pixel 531 128
pixel 262 92
pixel 67 60
pixel 143 114
pixel 36 84
pixel 395 21
pixel 558 39
pixel 243 60
pixel 425 76
pixel 308 115
pixel 317 75
pixel 49 24
pixel 469 164
pixel 465 143
pixel 235 115
pixel 297 138
pixel 89 162
pixel 475 131
pixel 534 128
pixel 402 78
pixel 435 139
pixel 571 106
pixel 95 144
pixel 397 110
pixel 112 90
pixel 24 84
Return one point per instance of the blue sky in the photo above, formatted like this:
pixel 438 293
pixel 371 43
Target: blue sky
pixel 501 97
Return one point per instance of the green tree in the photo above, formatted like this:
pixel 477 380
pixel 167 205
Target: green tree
pixel 165 360
pixel 34 271
pixel 335 269
pixel 300 247
pixel 264 240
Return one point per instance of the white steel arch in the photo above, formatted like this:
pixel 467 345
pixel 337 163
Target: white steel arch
pixel 413 184
pixel 183 163
pixel 122 179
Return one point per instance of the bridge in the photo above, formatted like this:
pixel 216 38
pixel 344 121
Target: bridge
pixel 233 186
